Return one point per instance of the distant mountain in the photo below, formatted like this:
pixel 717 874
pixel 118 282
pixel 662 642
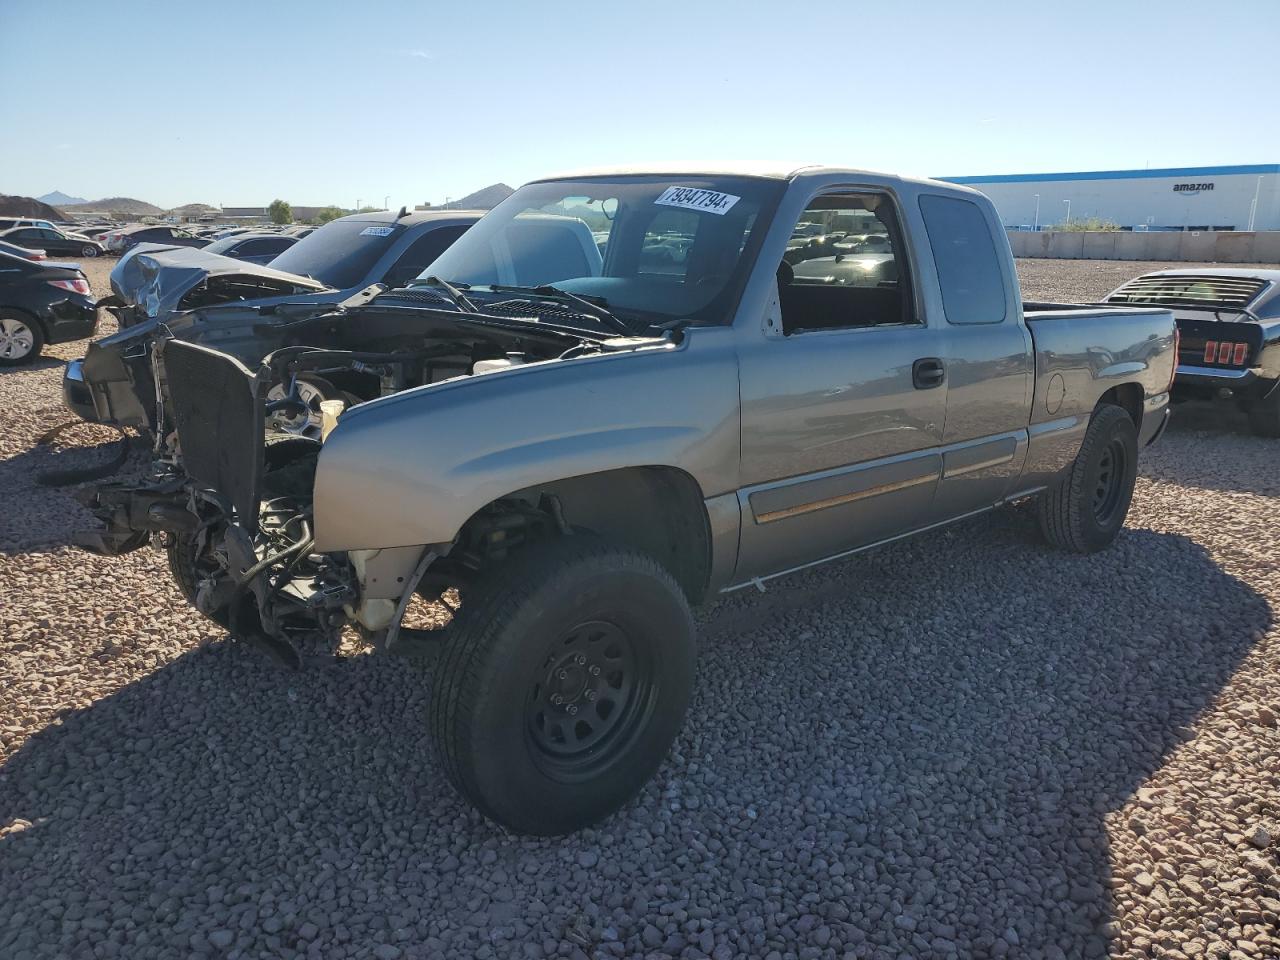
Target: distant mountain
pixel 58 199
pixel 28 207
pixel 121 206
pixel 484 199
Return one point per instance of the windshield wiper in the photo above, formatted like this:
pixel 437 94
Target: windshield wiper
pixel 456 296
pixel 564 296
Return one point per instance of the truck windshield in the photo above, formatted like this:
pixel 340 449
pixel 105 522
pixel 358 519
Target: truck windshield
pixel 341 253
pixel 652 249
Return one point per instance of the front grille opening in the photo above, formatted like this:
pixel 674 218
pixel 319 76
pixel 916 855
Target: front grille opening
pixel 219 419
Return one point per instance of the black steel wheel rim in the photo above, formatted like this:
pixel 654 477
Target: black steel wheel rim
pixel 591 693
pixel 1108 484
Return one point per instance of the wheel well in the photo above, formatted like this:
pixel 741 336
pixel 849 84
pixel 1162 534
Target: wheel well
pixel 658 510
pixel 1128 397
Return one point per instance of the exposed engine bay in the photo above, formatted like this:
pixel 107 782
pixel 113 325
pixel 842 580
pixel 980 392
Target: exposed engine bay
pixel 236 446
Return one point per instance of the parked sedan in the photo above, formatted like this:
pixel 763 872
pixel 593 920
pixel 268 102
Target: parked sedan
pixel 56 242
pixel 259 248
pixel 27 253
pixel 41 303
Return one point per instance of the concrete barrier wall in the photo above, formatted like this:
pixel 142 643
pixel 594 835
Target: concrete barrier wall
pixel 1199 247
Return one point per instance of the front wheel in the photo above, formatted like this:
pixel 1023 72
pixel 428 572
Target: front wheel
pixel 562 684
pixel 1264 413
pixel 88 251
pixel 21 338
pixel 1085 509
pixel 189 564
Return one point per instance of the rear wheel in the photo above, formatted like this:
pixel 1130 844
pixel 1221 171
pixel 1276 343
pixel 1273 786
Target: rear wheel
pixel 1085 509
pixel 21 338
pixel 1264 413
pixel 563 683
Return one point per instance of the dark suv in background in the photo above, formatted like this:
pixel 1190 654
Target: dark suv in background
pixel 176 291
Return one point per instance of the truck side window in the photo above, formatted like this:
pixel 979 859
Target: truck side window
pixel 844 266
pixel 968 268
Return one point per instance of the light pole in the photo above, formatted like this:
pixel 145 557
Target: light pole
pixel 386 202
pixel 357 204
pixel 1253 207
pixel 1037 224
pixel 1068 203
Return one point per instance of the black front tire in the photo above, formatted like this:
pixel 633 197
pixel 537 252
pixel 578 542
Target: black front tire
pixel 1085 508
pixel 88 251
pixel 563 683
pixel 187 570
pixel 1264 414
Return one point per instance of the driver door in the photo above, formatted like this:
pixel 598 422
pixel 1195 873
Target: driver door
pixel 843 399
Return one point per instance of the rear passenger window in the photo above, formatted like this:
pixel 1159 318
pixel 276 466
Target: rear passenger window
pixel 973 288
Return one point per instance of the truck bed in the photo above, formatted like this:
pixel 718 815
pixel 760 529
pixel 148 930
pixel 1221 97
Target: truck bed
pixel 1048 310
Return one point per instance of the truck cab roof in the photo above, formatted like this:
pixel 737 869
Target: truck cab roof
pixel 759 170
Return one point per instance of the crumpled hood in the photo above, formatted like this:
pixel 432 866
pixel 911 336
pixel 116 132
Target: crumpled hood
pixel 155 277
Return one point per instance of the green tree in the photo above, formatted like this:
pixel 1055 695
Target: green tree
pixel 329 213
pixel 1087 225
pixel 280 212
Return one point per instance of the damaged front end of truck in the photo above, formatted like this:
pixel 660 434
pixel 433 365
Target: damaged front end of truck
pixel 231 494
pixel 233 511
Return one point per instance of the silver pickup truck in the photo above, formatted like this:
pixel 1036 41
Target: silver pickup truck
pixel 568 436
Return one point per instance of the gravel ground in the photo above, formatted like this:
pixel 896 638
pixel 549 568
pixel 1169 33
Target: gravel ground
pixel 962 746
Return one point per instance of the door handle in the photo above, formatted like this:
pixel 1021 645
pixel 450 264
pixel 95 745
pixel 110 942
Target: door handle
pixel 927 373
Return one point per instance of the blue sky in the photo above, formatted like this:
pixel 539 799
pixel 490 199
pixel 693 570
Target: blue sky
pixel 320 102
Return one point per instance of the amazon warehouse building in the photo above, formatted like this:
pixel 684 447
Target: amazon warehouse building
pixel 1245 197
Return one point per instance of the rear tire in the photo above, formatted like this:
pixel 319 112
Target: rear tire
pixel 1264 414
pixel 21 338
pixel 562 683
pixel 1085 508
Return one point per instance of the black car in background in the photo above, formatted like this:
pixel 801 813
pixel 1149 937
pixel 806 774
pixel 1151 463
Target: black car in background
pixel 27 253
pixel 1229 334
pixel 41 302
pixel 260 248
pixel 54 242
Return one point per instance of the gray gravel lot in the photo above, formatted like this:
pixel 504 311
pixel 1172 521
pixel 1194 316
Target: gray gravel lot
pixel 962 746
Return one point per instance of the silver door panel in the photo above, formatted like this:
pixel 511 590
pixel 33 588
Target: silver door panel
pixel 797 520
